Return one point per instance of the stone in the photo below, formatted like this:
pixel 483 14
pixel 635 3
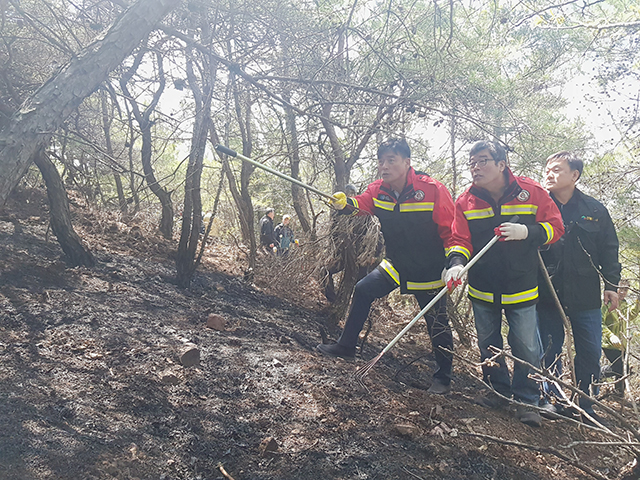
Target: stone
pixel 189 355
pixel 406 430
pixel 216 322
pixel 169 377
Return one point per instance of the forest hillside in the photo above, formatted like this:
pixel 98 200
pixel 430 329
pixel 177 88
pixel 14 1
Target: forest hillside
pixel 93 387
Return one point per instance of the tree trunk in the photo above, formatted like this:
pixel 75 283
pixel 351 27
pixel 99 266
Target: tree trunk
pixel 166 219
pixel 192 211
pixel 106 127
pixel 60 213
pixel 33 125
pixel 299 201
pixel 144 122
pixel 131 141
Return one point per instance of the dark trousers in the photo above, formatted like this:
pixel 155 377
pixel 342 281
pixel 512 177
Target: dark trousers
pixel 376 285
pixel 616 357
pixel 587 336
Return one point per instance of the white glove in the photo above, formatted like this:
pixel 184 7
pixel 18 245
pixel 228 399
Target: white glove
pixel 615 341
pixel 513 231
pixel 451 276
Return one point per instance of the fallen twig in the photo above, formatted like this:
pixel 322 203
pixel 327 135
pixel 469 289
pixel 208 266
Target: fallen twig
pixel 412 474
pixel 623 421
pixel 537 448
pixel 224 472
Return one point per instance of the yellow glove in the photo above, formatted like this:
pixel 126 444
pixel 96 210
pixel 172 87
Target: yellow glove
pixel 297 242
pixel 339 200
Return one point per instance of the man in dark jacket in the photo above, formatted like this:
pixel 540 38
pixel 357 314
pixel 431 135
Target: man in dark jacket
pixel 267 234
pixel 415 213
pixel 587 252
pixel 506 277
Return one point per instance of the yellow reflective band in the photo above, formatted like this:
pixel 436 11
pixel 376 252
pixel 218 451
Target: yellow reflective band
pixel 388 267
pixel 355 204
pixel 523 209
pixel 486 296
pixel 417 207
pixel 549 229
pixel 425 285
pixel 520 297
pixel 457 249
pixel 384 205
pixel 478 214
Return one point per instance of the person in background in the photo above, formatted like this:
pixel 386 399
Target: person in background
pixel 284 236
pixel 268 239
pixel 506 277
pixel 587 252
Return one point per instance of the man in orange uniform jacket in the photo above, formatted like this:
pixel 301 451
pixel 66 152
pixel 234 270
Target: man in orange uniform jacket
pixel 506 277
pixel 415 213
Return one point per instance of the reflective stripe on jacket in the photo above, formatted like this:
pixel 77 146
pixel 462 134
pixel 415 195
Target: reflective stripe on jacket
pixel 416 228
pixel 507 275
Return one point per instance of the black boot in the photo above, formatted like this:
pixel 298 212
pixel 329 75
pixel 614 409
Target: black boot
pixel 336 350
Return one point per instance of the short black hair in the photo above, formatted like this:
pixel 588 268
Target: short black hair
pixel 395 145
pixel 572 160
pixel 269 210
pixel 498 153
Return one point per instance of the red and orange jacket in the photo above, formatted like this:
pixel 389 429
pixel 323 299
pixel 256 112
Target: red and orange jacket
pixel 507 275
pixel 416 228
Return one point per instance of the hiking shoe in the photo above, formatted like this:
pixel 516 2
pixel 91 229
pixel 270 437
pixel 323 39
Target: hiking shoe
pixel 551 411
pixel 439 388
pixel 337 350
pixel 491 400
pixel 528 416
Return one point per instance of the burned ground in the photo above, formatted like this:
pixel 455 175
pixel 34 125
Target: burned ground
pixel 91 386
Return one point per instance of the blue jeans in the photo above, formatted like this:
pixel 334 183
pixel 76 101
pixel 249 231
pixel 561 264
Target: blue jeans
pixel 587 336
pixel 376 285
pixel 525 344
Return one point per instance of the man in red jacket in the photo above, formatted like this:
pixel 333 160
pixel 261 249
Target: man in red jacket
pixel 506 277
pixel 415 213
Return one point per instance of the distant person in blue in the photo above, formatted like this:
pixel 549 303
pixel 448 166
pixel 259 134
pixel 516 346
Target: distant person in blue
pixel 284 236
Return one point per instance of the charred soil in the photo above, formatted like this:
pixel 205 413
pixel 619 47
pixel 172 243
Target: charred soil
pixel 91 386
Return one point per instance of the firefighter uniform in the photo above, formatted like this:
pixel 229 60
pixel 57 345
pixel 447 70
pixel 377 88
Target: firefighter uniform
pixel 506 277
pixel 416 225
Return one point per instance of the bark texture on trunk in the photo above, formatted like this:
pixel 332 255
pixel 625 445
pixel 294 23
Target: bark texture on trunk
pixel 186 263
pixel 41 115
pixel 60 213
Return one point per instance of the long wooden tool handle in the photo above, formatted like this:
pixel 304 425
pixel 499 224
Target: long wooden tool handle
pixel 565 320
pixel 233 153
